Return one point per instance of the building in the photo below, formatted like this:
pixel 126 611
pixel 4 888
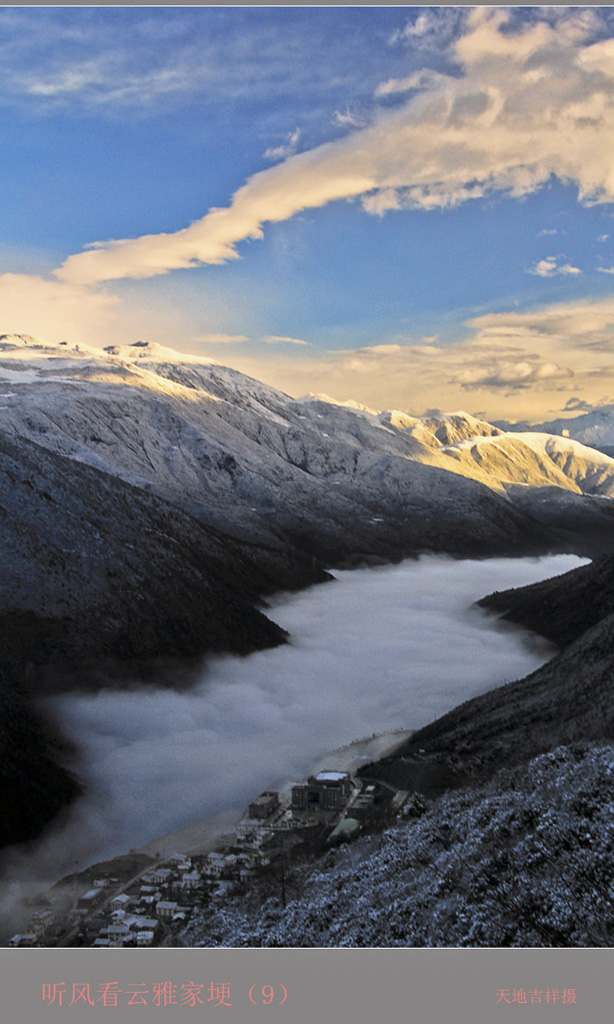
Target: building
pixel 163 875
pixel 191 880
pixel 323 795
pixel 121 901
pixel 43 924
pixel 214 864
pixel 264 805
pixel 165 910
pixel 90 899
pixel 364 806
pixel 119 935
pixel 180 861
pixel 29 939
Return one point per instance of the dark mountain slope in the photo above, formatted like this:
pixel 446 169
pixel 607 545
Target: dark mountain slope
pixel 96 572
pixel 563 608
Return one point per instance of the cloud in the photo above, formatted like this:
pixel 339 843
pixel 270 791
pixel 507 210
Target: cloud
pixel 529 102
pixel 547 231
pixel 431 29
pixel 105 84
pixel 603 238
pixel 288 149
pixel 220 339
pixel 154 760
pixel 349 119
pixel 550 267
pixel 421 80
pixel 383 200
pixel 520 365
pixel 283 339
pixel 579 405
pixel 511 374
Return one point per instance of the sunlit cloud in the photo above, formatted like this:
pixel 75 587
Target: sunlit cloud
pixel 420 80
pixel 512 364
pixel 487 130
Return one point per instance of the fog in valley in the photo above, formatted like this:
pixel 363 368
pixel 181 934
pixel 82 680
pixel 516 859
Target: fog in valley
pixel 373 651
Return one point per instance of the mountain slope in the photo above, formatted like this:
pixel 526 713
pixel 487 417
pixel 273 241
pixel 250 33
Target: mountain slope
pixel 524 860
pixel 562 608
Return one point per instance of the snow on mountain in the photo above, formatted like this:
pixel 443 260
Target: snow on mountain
pixel 247 458
pixel 595 428
pixel 350 403
pixel 533 459
pixel 458 426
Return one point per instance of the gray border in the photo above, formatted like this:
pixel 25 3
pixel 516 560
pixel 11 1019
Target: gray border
pixel 425 986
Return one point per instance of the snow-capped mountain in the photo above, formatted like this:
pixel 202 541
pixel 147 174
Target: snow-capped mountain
pixel 336 480
pixel 594 428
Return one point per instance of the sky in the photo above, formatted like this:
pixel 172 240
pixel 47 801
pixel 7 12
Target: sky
pixel 409 207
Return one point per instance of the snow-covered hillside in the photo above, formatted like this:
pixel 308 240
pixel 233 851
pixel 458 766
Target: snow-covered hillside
pixel 522 861
pixel 594 428
pixel 248 459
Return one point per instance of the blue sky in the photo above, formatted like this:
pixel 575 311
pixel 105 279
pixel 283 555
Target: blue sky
pixel 409 207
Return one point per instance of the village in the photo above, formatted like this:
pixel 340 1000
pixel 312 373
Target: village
pixel 146 903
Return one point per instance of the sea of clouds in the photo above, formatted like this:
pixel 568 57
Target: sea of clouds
pixel 373 651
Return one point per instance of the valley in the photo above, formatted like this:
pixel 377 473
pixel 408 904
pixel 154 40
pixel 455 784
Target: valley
pixel 153 504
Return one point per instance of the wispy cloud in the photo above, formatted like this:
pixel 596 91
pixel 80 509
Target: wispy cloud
pixel 420 80
pixel 282 339
pixel 148 60
pixel 220 339
pixel 531 102
pixel 576 404
pixel 287 149
pixel 431 29
pixel 349 119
